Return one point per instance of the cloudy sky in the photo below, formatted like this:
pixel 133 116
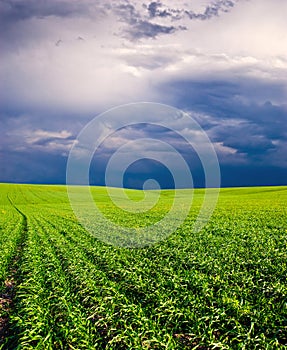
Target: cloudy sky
pixel 63 62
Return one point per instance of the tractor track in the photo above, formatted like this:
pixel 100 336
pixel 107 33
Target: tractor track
pixel 7 297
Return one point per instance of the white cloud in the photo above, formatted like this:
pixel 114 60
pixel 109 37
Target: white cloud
pixel 23 139
pixel 38 135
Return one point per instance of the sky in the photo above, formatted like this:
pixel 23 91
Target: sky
pixel 63 62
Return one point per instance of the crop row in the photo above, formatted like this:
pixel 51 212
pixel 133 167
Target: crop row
pixel 223 287
pixel 11 228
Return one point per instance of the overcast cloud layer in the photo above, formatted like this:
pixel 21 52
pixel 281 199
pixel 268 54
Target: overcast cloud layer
pixel 64 62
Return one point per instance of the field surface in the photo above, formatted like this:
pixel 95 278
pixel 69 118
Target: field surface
pixel 223 287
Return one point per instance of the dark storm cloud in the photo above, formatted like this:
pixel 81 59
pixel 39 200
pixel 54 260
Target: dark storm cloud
pixel 15 10
pixel 146 29
pixel 252 175
pixel 157 9
pixel 53 57
pixel 146 167
pixel 34 147
pixel 140 27
pixel 12 11
pixel 139 24
pixel 212 10
pixel 24 134
pixel 18 18
pixel 254 129
pixel 32 167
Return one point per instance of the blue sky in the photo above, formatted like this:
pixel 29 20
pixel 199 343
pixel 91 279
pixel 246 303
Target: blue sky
pixel 222 61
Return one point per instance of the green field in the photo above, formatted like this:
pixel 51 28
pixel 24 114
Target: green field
pixel 223 287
